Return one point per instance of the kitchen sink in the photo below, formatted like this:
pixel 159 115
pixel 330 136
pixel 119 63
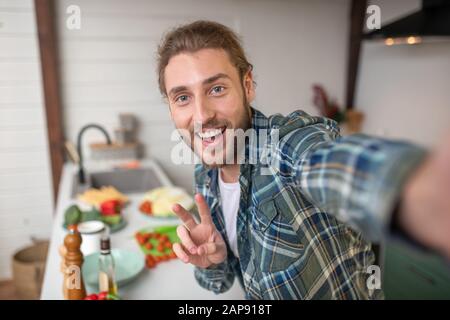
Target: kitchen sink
pixel 125 180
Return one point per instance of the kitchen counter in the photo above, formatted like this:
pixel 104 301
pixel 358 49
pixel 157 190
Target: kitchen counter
pixel 169 280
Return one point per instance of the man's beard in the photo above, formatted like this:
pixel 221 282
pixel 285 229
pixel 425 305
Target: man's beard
pixel 229 150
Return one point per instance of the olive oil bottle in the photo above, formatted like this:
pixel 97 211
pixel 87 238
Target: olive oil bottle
pixel 106 268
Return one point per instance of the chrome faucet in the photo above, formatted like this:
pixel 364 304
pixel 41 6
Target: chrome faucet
pixel 81 175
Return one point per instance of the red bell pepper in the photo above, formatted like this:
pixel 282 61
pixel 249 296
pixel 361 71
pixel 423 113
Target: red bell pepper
pixel 111 207
pixel 103 295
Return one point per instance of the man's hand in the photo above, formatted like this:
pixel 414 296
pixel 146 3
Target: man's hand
pixel 201 244
pixel 425 210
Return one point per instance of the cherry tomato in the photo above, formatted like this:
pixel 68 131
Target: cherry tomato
pixel 168 245
pixel 103 295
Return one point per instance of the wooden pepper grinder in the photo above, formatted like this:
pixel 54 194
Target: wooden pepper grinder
pixel 73 286
pixel 62 267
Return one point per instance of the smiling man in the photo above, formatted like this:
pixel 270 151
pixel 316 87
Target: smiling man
pixel 299 226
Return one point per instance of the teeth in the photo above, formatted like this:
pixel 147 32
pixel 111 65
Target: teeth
pixel 210 133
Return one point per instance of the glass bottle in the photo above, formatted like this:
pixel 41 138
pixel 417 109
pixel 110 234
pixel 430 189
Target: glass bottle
pixel 106 268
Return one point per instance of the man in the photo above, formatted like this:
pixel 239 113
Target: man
pixel 297 227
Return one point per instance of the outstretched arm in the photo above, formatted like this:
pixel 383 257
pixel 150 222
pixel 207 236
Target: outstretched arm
pixel 362 179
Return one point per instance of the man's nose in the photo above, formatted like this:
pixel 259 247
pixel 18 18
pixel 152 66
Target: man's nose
pixel 203 111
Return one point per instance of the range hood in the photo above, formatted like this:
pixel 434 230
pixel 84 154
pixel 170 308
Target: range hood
pixel 432 22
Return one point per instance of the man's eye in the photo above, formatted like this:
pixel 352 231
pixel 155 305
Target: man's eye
pixel 217 89
pixel 183 99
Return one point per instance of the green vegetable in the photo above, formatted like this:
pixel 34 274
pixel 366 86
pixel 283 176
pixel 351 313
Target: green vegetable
pixel 93 214
pixel 72 215
pixel 112 219
pixel 111 296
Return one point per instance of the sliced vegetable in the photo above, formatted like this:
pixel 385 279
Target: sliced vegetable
pixel 91 297
pixel 146 207
pixel 111 207
pixel 157 244
pixel 112 219
pixel 112 297
pixel 103 295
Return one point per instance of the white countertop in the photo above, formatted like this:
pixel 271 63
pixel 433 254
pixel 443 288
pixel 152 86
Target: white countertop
pixel 169 280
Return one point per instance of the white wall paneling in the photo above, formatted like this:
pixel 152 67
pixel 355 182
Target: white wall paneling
pixel 25 184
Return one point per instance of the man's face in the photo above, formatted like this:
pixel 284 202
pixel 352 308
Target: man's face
pixel 208 101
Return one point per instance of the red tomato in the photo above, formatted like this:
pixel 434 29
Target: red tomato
pixel 146 207
pixel 168 245
pixel 110 207
pixel 103 295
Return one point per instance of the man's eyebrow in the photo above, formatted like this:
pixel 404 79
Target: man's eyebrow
pixel 215 77
pixel 209 80
pixel 175 90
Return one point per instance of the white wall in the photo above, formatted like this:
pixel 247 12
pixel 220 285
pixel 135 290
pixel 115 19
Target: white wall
pixel 25 184
pixel 405 90
pixel 109 67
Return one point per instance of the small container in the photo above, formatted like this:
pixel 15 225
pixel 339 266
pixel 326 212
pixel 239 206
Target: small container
pixel 128 121
pixel 91 233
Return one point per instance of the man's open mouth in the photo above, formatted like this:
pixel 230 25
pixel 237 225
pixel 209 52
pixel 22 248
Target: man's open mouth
pixel 211 134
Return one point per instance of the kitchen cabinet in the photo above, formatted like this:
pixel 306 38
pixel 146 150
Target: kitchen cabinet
pixel 413 274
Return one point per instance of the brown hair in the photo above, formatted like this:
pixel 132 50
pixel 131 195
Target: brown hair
pixel 201 35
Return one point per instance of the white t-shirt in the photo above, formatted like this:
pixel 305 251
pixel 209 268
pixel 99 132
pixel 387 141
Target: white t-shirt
pixel 230 194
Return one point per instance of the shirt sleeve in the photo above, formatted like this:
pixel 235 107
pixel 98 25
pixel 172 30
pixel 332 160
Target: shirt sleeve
pixel 357 178
pixel 218 279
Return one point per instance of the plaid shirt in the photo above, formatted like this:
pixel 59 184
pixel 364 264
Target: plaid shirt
pixel 302 217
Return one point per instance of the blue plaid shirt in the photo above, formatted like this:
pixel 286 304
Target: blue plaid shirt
pixel 305 218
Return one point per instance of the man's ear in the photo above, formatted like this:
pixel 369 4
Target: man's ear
pixel 249 86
